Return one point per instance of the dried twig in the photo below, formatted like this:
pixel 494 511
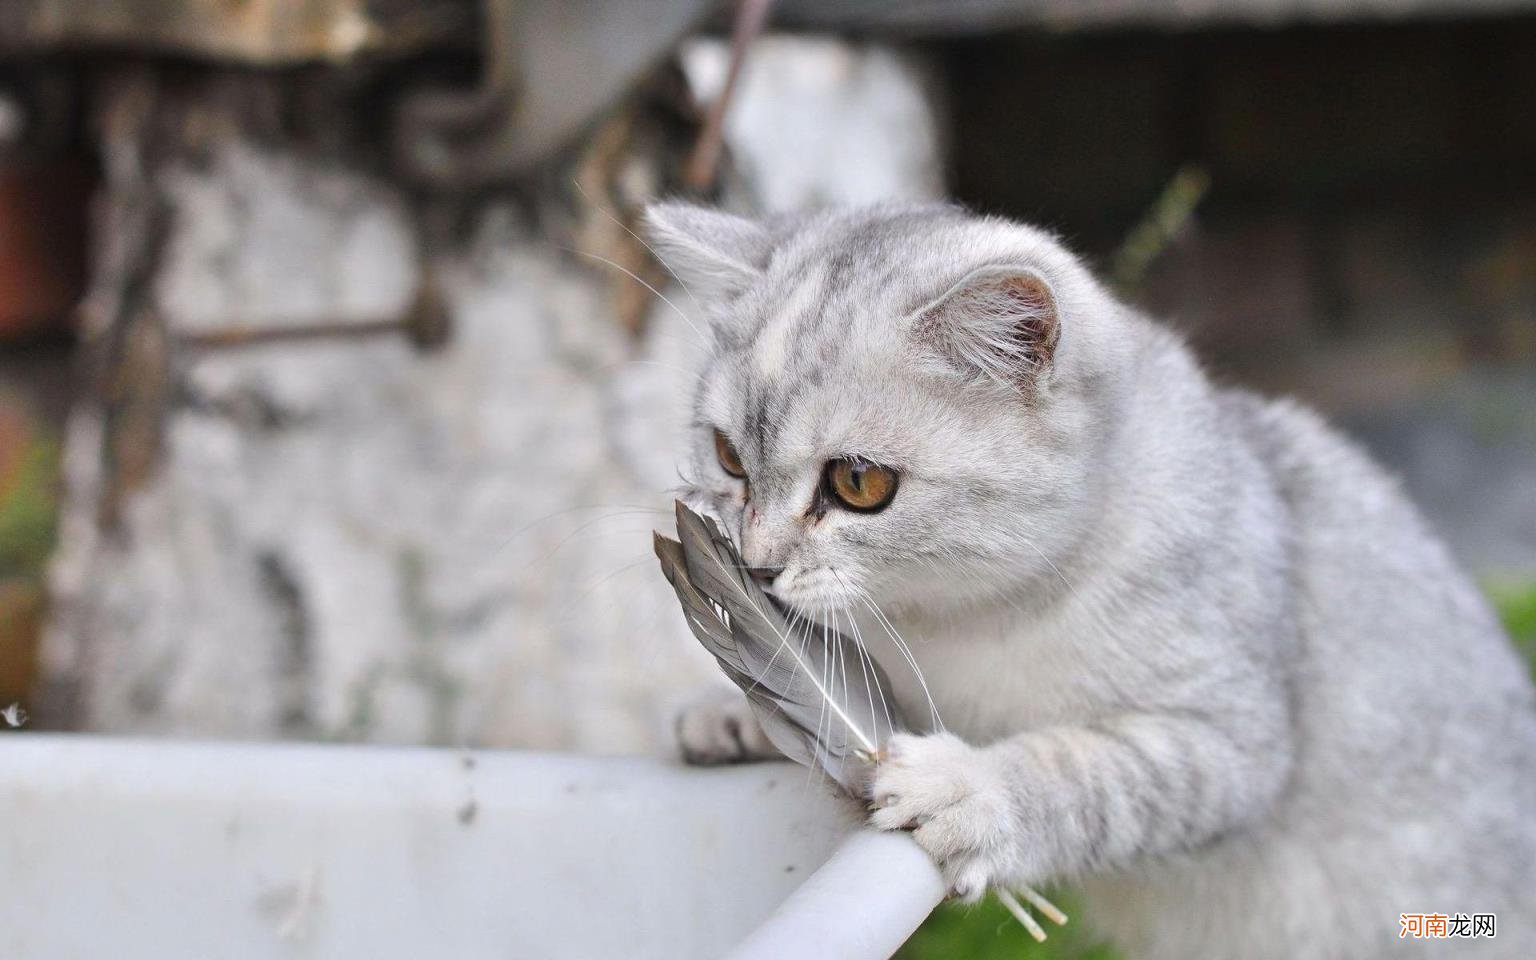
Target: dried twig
pixel 1160 226
pixel 699 174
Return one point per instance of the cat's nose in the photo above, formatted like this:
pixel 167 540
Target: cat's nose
pixel 765 575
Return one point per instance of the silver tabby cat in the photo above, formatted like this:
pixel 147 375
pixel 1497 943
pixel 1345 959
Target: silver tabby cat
pixel 1190 648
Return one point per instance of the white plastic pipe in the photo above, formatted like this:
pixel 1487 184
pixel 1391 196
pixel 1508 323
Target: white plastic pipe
pixel 139 850
pixel 862 904
pixel 270 851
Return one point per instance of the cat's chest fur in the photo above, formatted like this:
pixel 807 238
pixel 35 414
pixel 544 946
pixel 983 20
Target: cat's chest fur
pixel 993 675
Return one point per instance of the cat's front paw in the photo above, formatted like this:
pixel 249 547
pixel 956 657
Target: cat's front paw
pixel 720 728
pixel 954 800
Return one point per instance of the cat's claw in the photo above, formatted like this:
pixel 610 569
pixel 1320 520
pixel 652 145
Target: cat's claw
pixel 953 800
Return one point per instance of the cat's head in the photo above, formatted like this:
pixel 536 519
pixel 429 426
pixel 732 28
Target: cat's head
pixel 905 404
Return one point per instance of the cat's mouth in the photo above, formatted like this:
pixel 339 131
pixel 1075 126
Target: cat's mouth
pixel 818 593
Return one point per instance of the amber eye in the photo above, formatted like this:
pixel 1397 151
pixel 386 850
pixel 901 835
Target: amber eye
pixel 729 461
pixel 860 485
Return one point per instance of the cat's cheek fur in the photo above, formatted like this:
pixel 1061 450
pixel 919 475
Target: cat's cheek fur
pixel 956 801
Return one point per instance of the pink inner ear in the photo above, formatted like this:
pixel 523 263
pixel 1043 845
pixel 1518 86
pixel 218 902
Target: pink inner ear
pixel 1036 310
pixel 1028 290
pixel 1001 326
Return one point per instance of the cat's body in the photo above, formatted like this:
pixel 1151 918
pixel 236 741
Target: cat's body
pixel 1192 648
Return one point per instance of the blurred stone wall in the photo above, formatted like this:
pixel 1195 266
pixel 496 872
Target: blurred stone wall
pixel 439 533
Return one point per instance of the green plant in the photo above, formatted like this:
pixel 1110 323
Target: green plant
pixel 1516 604
pixel 29 510
pixel 987 931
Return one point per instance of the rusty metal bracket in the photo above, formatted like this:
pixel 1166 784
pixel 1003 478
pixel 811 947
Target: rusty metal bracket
pixel 549 68
pixel 258 34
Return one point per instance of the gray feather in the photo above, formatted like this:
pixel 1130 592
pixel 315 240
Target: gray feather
pixel 817 694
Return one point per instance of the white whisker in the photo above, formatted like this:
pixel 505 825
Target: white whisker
pixel 703 340
pixel 643 242
pixel 906 652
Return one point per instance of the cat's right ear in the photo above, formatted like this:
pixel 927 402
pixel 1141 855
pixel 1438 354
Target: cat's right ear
pixel 999 324
pixel 714 254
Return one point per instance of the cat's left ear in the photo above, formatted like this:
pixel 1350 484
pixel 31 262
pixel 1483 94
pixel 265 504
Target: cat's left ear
pixel 714 254
pixel 999 323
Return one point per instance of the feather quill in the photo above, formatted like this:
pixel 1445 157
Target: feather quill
pixel 817 694
pixel 796 674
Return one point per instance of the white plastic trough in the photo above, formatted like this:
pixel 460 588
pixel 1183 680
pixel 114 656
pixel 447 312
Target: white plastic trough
pixel 129 849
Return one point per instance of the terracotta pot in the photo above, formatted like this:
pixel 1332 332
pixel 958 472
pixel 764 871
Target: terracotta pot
pixel 21 623
pixel 43 207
